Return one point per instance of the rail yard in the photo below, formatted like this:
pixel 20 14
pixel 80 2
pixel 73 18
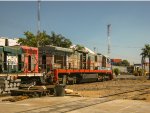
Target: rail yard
pixel 82 71
pixel 118 95
pixel 49 65
pixel 31 78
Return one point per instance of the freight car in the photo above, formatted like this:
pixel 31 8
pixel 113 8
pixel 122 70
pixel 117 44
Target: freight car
pixel 50 64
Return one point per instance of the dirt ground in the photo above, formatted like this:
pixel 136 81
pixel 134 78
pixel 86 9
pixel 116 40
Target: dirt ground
pixel 116 96
pixel 118 89
pixel 130 89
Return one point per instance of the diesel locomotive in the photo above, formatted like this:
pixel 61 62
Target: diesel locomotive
pixel 51 64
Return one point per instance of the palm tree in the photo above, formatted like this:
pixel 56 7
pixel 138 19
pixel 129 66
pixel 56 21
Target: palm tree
pixel 143 63
pixel 146 53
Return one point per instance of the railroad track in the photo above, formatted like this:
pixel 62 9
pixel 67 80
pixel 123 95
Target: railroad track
pixel 67 107
pixel 75 105
pixel 128 91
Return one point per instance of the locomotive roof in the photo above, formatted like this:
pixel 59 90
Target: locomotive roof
pixel 1 49
pixel 13 50
pixel 9 49
pixel 49 47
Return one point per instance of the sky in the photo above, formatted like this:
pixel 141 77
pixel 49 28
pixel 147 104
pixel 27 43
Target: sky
pixel 84 23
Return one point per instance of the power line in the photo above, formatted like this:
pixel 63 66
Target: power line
pixel 126 46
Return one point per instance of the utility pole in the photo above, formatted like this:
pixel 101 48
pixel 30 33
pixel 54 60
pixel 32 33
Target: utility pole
pixel 38 14
pixel 108 37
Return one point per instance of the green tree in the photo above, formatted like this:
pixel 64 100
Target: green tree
pixel 59 40
pixel 56 39
pixel 116 71
pixel 44 39
pixel 30 39
pixel 146 54
pixel 125 63
pixel 80 47
pixel 143 62
pixel 66 43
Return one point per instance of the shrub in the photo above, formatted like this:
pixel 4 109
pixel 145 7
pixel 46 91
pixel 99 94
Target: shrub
pixel 135 73
pixel 140 72
pixel 116 71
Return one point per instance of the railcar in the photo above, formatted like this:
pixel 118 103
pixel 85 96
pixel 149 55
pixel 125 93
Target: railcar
pixel 16 64
pixel 73 66
pixel 60 65
pixel 50 65
pixel 18 59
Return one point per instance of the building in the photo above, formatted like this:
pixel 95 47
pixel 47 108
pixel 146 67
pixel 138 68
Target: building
pixel 4 41
pixel 116 61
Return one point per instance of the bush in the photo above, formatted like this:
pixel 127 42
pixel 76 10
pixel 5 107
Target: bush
pixel 116 71
pixel 140 72
pixel 135 73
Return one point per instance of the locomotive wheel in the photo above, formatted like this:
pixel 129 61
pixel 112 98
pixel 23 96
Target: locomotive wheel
pixel 74 80
pixel 35 94
pixel 100 78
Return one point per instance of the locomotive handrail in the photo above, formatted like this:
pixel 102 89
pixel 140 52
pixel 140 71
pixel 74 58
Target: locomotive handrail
pixel 64 71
